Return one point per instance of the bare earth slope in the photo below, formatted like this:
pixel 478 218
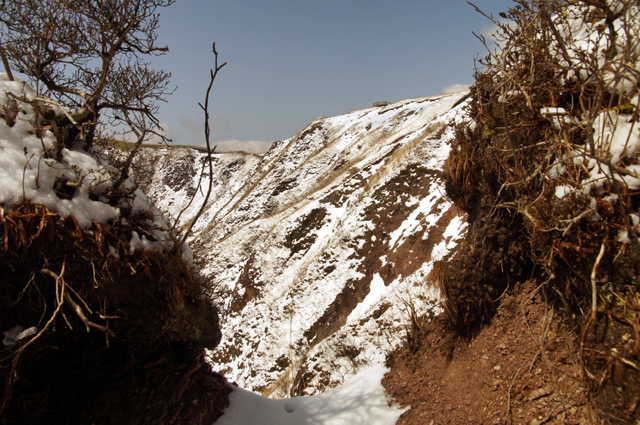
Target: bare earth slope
pixel 518 369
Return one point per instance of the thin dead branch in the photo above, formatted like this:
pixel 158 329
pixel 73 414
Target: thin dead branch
pixel 207 132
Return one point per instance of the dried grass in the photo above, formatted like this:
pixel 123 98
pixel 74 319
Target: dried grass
pixel 95 315
pixel 507 169
pixel 440 277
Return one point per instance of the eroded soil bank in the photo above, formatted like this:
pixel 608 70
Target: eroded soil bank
pixel 520 368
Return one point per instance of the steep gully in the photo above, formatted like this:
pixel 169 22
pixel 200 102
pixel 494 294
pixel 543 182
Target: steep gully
pixel 316 251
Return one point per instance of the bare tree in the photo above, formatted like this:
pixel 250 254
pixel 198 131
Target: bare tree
pixel 89 56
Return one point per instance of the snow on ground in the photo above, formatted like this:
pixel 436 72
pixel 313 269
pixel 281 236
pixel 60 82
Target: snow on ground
pixel 360 400
pixel 73 183
pixel 286 236
pixel 377 290
pixel 29 174
pixel 172 176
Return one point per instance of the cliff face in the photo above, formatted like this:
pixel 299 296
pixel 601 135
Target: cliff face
pixel 317 251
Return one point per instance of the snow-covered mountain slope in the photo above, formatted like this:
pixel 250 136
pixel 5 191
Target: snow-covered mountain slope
pixel 317 251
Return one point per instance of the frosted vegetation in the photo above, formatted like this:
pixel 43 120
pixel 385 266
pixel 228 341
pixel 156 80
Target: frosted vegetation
pixel 597 59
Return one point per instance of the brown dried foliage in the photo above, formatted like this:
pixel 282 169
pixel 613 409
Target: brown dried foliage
pixel 521 156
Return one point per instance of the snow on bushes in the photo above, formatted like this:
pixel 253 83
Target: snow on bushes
pixel 35 167
pixel 102 317
pixel 551 161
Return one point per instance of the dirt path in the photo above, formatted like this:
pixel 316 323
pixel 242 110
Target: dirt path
pixel 519 369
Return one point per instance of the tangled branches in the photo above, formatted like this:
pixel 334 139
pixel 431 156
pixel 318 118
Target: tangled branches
pixel 554 144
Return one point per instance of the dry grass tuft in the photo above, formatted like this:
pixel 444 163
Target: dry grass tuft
pixel 440 277
pixel 460 173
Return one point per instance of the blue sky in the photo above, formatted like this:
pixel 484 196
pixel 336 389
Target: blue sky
pixel 290 61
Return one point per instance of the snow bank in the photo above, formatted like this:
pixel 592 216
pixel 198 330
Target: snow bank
pixel 360 400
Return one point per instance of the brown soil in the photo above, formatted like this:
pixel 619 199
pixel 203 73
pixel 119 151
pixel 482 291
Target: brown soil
pixel 120 340
pixel 167 392
pixel 520 368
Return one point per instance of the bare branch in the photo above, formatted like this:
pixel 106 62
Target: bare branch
pixel 594 286
pixel 207 132
pixel 87 55
pixel 5 62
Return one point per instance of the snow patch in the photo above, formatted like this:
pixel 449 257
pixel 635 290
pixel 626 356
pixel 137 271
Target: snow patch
pixel 377 290
pixel 360 400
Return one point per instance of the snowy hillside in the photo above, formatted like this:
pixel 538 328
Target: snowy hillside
pixel 316 251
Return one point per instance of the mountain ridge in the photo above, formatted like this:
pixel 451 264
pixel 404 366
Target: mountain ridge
pixel 309 247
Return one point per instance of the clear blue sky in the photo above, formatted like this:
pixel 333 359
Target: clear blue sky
pixel 290 61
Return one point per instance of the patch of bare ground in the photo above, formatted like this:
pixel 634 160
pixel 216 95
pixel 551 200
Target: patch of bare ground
pixel 521 368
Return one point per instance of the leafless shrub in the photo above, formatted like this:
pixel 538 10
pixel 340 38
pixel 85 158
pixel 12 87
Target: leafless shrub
pixel 89 57
pixel 555 144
